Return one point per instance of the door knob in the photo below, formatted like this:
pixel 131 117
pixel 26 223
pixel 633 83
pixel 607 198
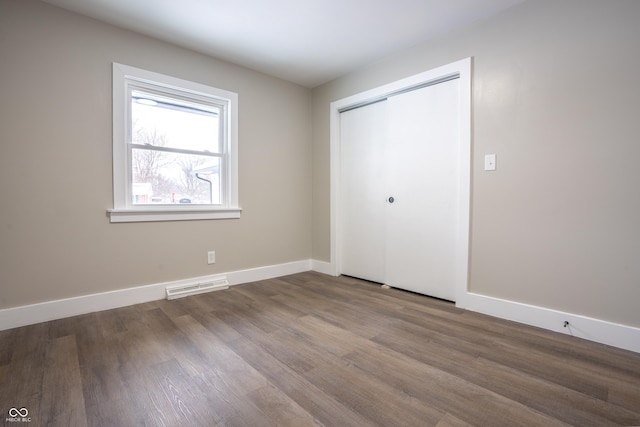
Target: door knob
pixel 391 199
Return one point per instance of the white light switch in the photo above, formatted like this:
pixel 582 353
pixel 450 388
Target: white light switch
pixel 489 162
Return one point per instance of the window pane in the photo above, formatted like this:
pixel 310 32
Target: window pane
pixel 174 123
pixel 172 178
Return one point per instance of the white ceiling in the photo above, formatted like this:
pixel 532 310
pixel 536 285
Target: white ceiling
pixel 308 42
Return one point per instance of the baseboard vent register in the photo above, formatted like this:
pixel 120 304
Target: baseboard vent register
pixel 179 291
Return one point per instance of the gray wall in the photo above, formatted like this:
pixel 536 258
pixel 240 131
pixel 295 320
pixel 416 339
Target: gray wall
pixel 556 96
pixel 55 164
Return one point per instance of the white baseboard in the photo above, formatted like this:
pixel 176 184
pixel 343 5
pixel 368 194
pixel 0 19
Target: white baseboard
pixel 322 267
pixel 268 272
pixel 604 332
pixel 613 334
pixel 58 309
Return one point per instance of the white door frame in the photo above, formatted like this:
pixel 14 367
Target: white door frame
pixel 461 69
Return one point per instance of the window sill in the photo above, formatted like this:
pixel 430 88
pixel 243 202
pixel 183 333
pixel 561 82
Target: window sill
pixel 171 214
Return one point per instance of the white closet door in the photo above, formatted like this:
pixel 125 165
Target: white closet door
pixel 423 173
pixel 362 194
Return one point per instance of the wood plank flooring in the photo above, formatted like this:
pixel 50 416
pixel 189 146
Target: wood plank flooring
pixel 310 350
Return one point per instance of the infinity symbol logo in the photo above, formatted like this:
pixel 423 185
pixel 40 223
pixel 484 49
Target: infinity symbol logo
pixel 22 412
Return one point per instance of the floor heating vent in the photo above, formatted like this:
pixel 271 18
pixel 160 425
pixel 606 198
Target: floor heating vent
pixel 179 291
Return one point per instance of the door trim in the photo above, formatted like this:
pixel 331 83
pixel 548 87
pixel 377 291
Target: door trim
pixel 460 69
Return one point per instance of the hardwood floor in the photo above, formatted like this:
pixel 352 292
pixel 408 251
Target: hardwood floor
pixel 310 349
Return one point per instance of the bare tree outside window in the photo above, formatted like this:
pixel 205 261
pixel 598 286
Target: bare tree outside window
pixel 147 163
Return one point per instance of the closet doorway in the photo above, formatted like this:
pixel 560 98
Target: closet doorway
pixel 402 187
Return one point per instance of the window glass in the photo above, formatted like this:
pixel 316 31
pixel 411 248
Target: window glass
pixel 166 122
pixel 176 147
pixel 169 178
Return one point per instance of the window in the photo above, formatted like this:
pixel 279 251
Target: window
pixel 174 148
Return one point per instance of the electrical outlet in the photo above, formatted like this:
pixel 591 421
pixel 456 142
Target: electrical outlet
pixel 211 257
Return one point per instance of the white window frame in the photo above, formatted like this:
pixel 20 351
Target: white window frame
pixel 124 210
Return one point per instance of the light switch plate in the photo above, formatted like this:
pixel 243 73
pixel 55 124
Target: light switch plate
pixel 489 162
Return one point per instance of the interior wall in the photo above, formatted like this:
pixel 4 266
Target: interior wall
pixel 555 96
pixel 56 164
